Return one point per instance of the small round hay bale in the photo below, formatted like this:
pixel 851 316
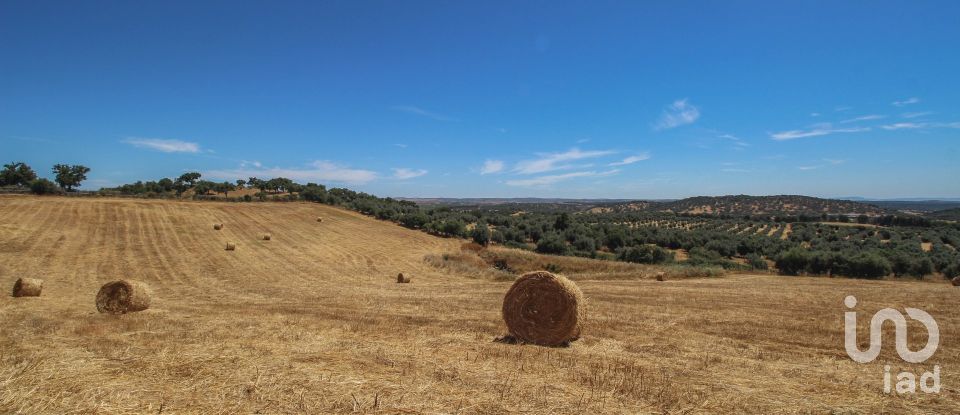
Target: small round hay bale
pixel 27 287
pixel 402 279
pixel 544 309
pixel 955 281
pixel 231 246
pixel 661 276
pixel 319 219
pixel 217 226
pixel 123 296
pixel 266 237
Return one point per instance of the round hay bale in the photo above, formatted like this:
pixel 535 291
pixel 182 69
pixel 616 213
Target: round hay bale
pixel 319 219
pixel 217 226
pixel 401 279
pixel 266 237
pixel 231 246
pixel 123 296
pixel 544 309
pixel 955 281
pixel 661 276
pixel 27 287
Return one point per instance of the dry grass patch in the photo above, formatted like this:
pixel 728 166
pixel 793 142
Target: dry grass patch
pixel 312 324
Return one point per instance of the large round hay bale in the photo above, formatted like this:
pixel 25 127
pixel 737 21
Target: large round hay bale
pixel 661 276
pixel 123 296
pixel 27 287
pixel 545 309
pixel 231 246
pixel 266 237
pixel 217 226
pixel 319 219
pixel 402 279
pixel 955 281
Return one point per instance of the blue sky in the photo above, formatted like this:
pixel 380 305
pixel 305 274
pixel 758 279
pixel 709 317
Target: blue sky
pixel 493 99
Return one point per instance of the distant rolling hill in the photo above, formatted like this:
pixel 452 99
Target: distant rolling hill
pixel 947 214
pixel 754 205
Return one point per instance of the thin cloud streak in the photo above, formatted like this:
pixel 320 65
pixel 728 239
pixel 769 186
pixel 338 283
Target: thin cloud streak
pixel 552 161
pixel 406 174
pixel 919 125
pixel 863 118
pixel 908 101
pixel 409 109
pixel 318 171
pixel 815 132
pixel 551 179
pixel 163 145
pixel 631 160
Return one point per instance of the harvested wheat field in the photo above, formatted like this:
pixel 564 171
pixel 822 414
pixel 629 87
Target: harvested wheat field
pixel 313 323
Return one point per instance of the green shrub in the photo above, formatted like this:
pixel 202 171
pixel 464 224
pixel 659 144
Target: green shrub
pixel 552 244
pixel 44 187
pixel 793 262
pixel 757 262
pixel 646 254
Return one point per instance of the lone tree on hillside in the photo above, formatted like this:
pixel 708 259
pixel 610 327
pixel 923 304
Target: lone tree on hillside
pixel 69 177
pixel 189 178
pixel 481 234
pixel 225 188
pixel 17 174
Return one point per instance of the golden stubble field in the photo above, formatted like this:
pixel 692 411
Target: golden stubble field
pixel 312 321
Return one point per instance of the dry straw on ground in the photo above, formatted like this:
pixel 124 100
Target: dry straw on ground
pixel 27 287
pixel 311 325
pixel 545 309
pixel 231 246
pixel 217 226
pixel 402 279
pixel 123 296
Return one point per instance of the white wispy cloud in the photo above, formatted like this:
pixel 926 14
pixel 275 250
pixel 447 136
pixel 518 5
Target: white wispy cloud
pixel 737 141
pixel 908 101
pixel 903 126
pixel 916 114
pixel 814 114
pixel 551 179
pixel 631 160
pixel 405 173
pixel 679 113
pixel 862 118
pixel 819 130
pixel 492 166
pixel 164 145
pixel 735 170
pixel 400 145
pixel 920 125
pixel 317 171
pixel 830 162
pixel 556 161
pixel 409 109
